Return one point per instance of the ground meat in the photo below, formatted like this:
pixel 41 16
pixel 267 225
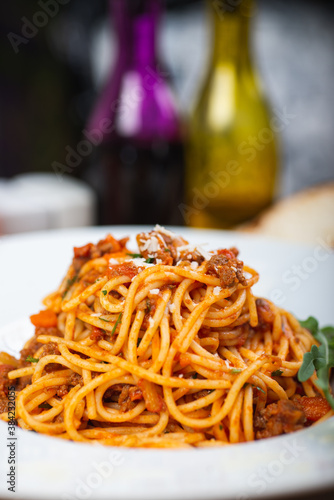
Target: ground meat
pixel 227 268
pixel 125 269
pixel 279 418
pixel 52 331
pixel 4 381
pixel 64 389
pixel 23 382
pixel 201 394
pixel 97 334
pixel 91 251
pixel 3 404
pixel 50 349
pixel 124 401
pixel 160 246
pixel 29 351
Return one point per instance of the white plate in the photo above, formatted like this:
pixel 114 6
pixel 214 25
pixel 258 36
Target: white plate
pixel 299 278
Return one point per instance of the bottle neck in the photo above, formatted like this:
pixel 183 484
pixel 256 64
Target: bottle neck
pixel 231 31
pixel 136 24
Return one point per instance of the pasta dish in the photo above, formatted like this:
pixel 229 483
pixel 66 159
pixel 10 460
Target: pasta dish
pixel 164 348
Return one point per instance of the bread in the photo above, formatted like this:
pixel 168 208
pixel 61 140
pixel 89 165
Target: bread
pixel 307 217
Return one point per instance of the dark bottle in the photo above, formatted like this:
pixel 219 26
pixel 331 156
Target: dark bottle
pixel 140 155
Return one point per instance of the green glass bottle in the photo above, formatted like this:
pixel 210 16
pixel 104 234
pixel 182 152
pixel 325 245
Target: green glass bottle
pixel 232 153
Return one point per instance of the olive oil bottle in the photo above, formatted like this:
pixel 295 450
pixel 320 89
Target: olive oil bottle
pixel 231 155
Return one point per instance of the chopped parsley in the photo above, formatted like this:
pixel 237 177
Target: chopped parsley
pixel 319 359
pixel 103 319
pixel 116 324
pixel 167 250
pixel 277 373
pixel 220 427
pixel 148 306
pixel 135 255
pixel 236 370
pixel 70 282
pixel 150 260
pixel 259 388
pixel 104 292
pixel 30 359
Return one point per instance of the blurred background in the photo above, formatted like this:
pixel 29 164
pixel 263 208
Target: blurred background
pixel 63 62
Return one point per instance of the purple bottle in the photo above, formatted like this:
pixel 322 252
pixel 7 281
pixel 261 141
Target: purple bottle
pixel 141 153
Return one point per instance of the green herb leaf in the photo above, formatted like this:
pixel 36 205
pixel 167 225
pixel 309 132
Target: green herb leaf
pixel 116 324
pixel 70 282
pixel 235 370
pixel 45 406
pixel 150 260
pixel 103 319
pixel 259 388
pixel 104 292
pixel 319 359
pixel 221 427
pixel 167 250
pixel 30 359
pixel 277 373
pixel 148 306
pixel 310 324
pixel 135 255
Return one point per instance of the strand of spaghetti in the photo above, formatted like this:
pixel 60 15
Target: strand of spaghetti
pixel 178 299
pixel 73 303
pixel 79 395
pixel 157 428
pixel 164 346
pixel 133 336
pixel 157 317
pixel 53 358
pixel 228 402
pixel 235 416
pixel 86 364
pixel 110 285
pixel 129 301
pixel 247 414
pixel 105 323
pixel 193 323
pixel 273 385
pixel 201 402
pixel 21 372
pixel 137 370
pixel 29 419
pixel 40 398
pixel 252 308
pixel 90 398
pixel 69 325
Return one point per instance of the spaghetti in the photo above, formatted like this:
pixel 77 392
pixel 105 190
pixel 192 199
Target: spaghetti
pixel 164 348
